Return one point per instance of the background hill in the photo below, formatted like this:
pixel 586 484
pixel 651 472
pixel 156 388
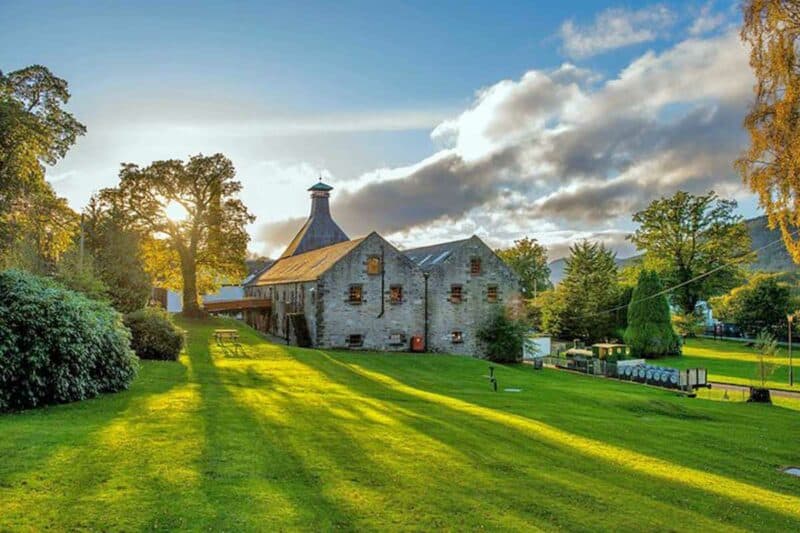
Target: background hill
pixel 773 259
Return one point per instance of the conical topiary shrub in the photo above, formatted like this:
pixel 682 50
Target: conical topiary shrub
pixel 649 332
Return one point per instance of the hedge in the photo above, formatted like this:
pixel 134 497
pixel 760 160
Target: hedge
pixel 153 335
pixel 58 346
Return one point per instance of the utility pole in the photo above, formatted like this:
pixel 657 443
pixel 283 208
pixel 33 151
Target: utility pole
pixel 790 319
pixel 80 256
pixel 426 275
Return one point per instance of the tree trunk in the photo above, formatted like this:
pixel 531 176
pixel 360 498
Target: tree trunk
pixel 191 305
pixel 687 298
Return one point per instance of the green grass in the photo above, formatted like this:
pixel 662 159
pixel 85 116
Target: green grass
pixel 733 362
pixel 278 438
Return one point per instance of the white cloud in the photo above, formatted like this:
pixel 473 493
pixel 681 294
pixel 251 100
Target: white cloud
pixel 706 20
pixel 562 151
pixel 615 28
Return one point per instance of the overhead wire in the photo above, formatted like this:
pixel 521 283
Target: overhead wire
pixel 727 264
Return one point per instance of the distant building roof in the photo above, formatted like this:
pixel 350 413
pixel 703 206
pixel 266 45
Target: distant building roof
pixel 427 257
pixel 306 266
pixel 252 277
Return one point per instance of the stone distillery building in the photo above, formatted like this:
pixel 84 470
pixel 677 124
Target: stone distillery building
pixel 327 290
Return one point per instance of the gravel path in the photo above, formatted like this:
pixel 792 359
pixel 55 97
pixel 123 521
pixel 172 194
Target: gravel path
pixel 738 388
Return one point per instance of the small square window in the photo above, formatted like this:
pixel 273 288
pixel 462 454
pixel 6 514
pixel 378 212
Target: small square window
pixel 475 266
pixel 456 337
pixel 355 340
pixel 456 294
pixel 373 265
pixel 491 293
pixel 396 294
pixel 354 295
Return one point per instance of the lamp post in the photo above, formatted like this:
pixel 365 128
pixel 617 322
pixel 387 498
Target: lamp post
pixel 790 319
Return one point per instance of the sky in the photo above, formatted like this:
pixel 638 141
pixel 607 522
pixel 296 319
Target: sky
pixel 433 121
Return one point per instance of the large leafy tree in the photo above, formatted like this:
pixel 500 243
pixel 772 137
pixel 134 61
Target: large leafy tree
pixel 193 220
pixel 36 231
pixel 771 164
pixel 579 306
pixel 760 304
pixel 117 257
pixel 548 311
pixel 686 236
pixel 528 259
pixel 35 130
pixel 649 332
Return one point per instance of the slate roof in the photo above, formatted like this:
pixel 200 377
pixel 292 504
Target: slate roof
pixel 306 266
pixel 427 257
pixel 319 229
pixel 251 278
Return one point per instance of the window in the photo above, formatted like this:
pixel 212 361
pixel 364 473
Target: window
pixel 396 294
pixel 456 294
pixel 354 294
pixel 373 265
pixel 397 338
pixel 491 293
pixel 456 337
pixel 355 340
pixel 475 266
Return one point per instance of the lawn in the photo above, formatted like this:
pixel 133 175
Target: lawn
pixel 277 438
pixel 734 362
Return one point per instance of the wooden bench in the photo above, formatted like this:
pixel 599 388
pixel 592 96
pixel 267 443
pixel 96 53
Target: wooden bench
pixel 221 335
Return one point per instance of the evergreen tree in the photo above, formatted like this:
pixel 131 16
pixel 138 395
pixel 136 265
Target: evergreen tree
pixel 588 291
pixel 650 332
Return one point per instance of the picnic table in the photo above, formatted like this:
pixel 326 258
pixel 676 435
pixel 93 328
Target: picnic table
pixel 221 335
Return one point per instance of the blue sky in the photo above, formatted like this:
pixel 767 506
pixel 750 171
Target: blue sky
pixel 403 104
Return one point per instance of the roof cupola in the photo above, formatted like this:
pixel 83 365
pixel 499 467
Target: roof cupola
pixel 319 230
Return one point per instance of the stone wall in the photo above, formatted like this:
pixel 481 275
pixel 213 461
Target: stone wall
pixel 467 316
pixel 286 298
pixel 383 325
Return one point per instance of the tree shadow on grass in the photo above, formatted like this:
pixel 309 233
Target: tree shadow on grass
pixel 53 458
pixel 503 447
pixel 451 478
pixel 334 462
pixel 733 435
pixel 250 479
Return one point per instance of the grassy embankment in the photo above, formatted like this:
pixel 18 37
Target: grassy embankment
pixel 734 362
pixel 286 438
